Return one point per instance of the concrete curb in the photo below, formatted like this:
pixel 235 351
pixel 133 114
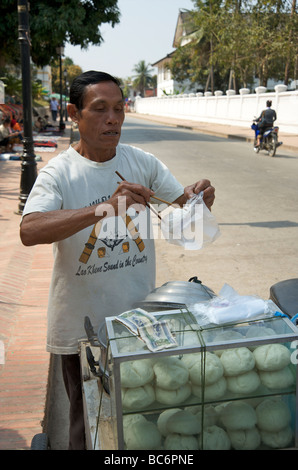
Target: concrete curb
pixel 217 130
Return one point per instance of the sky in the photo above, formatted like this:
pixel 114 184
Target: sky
pixel 145 32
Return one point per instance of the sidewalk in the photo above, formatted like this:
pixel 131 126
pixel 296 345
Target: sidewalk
pixel 24 283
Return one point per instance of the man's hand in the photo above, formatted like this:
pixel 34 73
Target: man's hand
pixel 130 194
pixel 196 188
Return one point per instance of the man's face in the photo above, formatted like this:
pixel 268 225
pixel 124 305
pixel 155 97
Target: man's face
pixel 102 116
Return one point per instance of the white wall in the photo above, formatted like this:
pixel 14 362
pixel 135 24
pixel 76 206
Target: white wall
pixel 237 110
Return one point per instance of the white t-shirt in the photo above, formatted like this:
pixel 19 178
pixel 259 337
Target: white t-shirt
pixel 103 276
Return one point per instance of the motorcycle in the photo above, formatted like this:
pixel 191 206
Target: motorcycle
pixel 285 295
pixel 269 140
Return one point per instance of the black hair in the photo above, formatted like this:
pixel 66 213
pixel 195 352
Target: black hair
pixel 268 103
pixel 79 84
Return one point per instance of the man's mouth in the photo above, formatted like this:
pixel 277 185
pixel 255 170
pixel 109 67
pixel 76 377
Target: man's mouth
pixel 111 133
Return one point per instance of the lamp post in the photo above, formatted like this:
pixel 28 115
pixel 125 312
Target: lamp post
pixel 60 52
pixel 65 92
pixel 28 165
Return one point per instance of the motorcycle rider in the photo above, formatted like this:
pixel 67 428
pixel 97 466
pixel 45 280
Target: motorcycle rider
pixel 265 120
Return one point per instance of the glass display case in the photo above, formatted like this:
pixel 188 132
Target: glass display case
pixel 220 387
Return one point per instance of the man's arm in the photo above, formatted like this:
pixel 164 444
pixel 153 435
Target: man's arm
pixel 48 227
pixel 53 226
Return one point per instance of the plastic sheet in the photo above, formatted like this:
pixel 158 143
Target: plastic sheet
pixel 192 226
pixel 229 307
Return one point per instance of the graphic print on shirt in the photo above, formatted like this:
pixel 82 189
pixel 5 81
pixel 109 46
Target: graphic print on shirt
pixel 111 243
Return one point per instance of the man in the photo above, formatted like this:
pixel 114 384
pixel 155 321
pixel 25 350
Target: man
pixel 73 195
pixel 265 120
pixel 7 137
pixel 54 106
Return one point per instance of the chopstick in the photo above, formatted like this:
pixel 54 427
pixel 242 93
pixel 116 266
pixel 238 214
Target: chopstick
pixel 162 200
pixel 147 203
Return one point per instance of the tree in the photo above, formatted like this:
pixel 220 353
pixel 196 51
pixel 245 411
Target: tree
pixel 196 60
pixel 71 69
pixel 143 78
pixel 54 23
pixel 250 39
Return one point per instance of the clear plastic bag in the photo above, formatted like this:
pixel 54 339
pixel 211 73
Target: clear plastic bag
pixel 229 307
pixel 192 226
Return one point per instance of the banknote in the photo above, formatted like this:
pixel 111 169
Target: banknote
pixel 156 334
pixel 134 319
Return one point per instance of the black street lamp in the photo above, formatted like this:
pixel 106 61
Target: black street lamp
pixel 28 165
pixel 65 92
pixel 60 52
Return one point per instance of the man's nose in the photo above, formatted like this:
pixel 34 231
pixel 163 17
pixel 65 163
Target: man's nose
pixel 112 117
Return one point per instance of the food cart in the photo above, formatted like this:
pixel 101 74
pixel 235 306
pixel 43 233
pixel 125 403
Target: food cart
pixel 227 386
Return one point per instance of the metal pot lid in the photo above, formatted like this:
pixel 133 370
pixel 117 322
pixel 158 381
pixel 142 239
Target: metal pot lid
pixel 182 292
pixel 157 306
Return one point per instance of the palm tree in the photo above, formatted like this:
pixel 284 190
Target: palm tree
pixel 143 77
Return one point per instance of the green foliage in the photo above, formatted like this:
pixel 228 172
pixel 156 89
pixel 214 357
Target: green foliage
pixel 143 77
pixel 251 38
pixel 69 72
pixel 13 86
pixel 54 23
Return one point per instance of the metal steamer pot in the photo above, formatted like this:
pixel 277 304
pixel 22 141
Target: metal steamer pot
pixel 177 294
pixel 170 296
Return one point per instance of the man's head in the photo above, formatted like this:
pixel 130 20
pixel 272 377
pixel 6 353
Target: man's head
pixel 6 122
pixel 268 104
pixel 97 106
pixel 80 84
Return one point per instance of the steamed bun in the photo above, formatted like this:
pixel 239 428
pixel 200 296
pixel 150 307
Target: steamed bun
pixel 255 331
pixel 211 392
pixel 209 417
pixel 279 439
pixel 180 442
pixel 183 422
pixel 230 335
pixel 162 421
pixel 173 397
pixel 271 357
pixel 214 438
pixel 137 398
pixel 213 367
pixel 273 415
pixel 130 420
pixel 245 439
pixel 243 383
pixel 136 373
pixel 238 415
pixel 277 379
pixel 142 435
pixel 237 361
pixel 170 373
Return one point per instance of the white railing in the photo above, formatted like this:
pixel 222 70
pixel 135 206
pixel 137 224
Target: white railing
pixel 231 109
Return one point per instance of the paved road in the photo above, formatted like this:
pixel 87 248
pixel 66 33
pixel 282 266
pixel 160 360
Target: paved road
pixel 256 208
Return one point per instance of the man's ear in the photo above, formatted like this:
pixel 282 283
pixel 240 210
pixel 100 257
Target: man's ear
pixel 72 112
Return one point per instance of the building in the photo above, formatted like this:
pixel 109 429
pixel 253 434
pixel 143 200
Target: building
pixel 166 85
pixel 44 74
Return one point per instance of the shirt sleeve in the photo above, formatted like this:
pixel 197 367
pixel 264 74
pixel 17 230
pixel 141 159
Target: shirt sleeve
pixel 45 195
pixel 164 183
